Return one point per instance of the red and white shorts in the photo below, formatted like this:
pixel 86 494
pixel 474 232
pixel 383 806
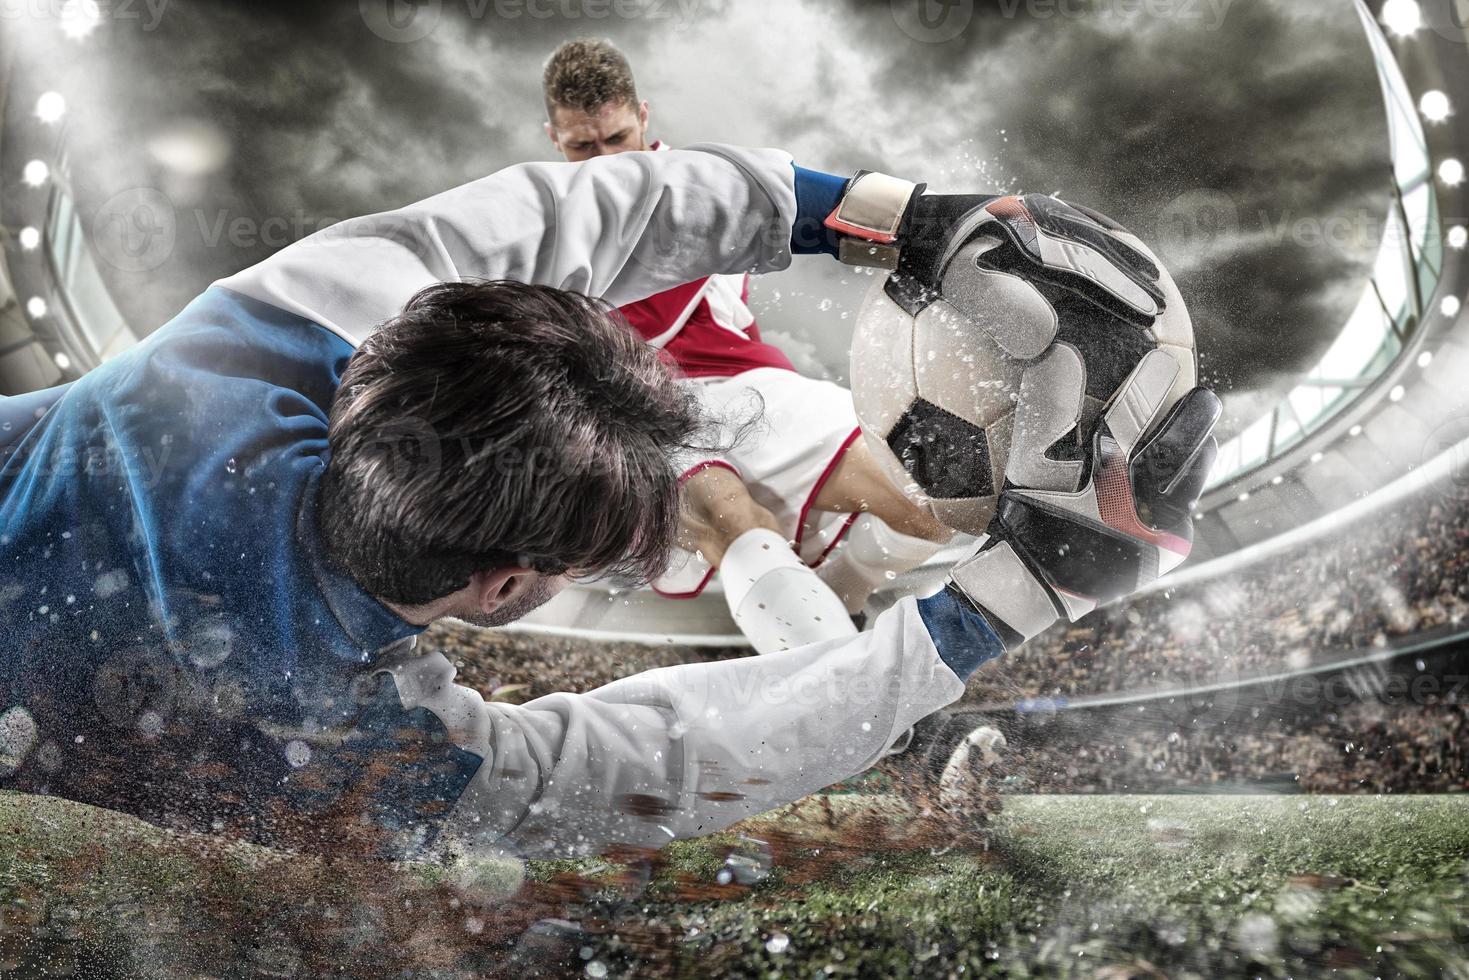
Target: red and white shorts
pixel 792 446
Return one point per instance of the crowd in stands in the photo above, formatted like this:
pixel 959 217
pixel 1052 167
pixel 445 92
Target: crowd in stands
pixel 1392 574
pixel 1368 747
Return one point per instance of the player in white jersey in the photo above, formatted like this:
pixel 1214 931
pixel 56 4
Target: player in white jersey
pixel 796 515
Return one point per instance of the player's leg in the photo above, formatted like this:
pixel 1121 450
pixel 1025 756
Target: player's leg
pixel 891 537
pixel 776 600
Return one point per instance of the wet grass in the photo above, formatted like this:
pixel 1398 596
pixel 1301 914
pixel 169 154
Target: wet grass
pixel 1102 887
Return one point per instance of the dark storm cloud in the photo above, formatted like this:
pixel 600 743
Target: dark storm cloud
pixel 1247 144
pixel 1222 132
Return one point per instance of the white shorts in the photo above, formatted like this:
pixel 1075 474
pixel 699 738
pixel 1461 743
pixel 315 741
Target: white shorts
pixel 784 458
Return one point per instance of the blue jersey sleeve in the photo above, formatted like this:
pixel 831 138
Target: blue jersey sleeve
pixel 817 195
pixel 964 640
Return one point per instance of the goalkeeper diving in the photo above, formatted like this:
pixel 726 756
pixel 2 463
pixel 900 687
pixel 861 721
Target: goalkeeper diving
pixel 217 549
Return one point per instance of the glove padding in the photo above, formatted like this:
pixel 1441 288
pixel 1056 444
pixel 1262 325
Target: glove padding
pixel 1068 246
pixel 1051 553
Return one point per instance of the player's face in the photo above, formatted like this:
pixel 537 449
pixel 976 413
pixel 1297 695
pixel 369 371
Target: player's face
pixel 614 128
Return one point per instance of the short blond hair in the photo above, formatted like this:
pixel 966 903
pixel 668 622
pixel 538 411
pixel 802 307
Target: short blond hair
pixel 587 75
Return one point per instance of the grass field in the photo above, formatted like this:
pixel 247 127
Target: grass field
pixel 1104 887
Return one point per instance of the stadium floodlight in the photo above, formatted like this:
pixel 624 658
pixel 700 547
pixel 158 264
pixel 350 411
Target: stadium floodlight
pixel 1396 395
pixel 1354 431
pixel 29 238
pixel 50 107
pixel 1317 457
pixel 62 361
pixel 1277 481
pixel 1458 237
pixel 1402 17
pixel 1435 106
pixel 1451 172
pixel 80 18
pixel 1425 358
pixel 1244 496
pixel 36 173
pixel 36 307
pixel 1450 306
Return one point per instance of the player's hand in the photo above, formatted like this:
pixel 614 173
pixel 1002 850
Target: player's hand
pixel 889 222
pixel 1049 553
pixel 1040 239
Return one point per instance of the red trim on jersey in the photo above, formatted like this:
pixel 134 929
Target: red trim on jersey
pixel 698 468
pixel 811 499
pixel 831 466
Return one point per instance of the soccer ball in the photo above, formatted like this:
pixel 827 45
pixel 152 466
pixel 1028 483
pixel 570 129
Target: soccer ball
pixel 1003 377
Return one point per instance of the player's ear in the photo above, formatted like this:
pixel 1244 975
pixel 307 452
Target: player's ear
pixel 493 589
pixel 551 133
pixel 643 116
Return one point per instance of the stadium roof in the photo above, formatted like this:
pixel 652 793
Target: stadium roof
pixel 1391 307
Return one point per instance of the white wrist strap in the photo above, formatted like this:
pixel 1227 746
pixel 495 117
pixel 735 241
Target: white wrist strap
pixel 1000 582
pixel 869 217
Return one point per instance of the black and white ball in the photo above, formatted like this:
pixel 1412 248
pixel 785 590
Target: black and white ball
pixel 1002 376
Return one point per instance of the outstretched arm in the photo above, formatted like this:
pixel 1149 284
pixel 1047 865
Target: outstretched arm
pixel 620 227
pixel 687 750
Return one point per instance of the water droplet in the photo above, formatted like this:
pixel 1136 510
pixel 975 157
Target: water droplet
pixel 298 753
pixel 747 863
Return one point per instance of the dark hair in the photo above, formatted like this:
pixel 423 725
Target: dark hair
pixel 587 75
pixel 496 423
